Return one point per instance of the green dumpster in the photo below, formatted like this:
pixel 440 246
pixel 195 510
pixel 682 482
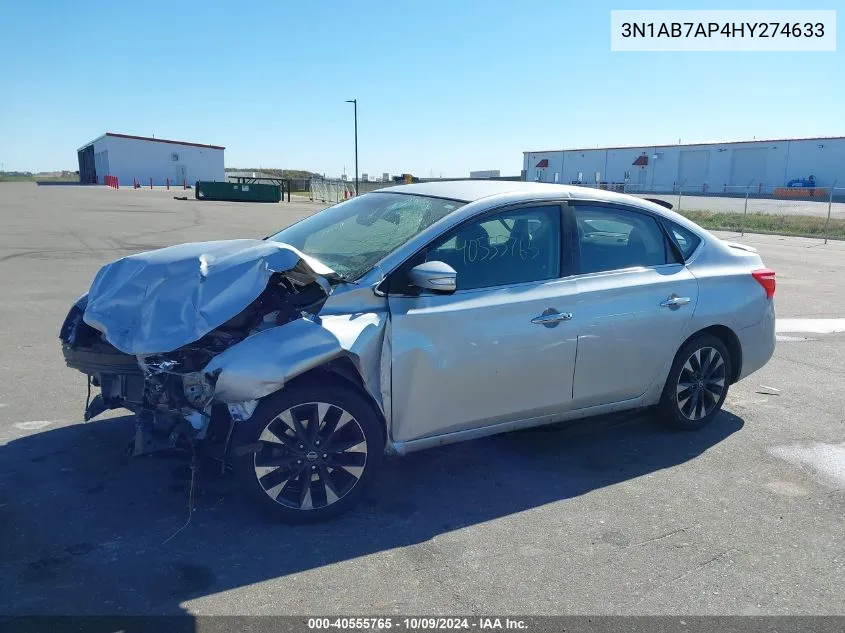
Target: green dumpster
pixel 237 192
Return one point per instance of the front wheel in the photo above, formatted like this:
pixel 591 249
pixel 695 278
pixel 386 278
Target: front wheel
pixel 697 384
pixel 309 451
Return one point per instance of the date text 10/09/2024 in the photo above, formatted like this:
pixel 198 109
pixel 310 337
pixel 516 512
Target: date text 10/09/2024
pixel 716 29
pixel 417 623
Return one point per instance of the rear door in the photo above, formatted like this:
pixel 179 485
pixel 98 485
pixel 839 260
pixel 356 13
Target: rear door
pixel 635 300
pixel 498 349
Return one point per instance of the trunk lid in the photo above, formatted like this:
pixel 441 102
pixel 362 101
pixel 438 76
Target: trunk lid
pixel 741 247
pixel 746 253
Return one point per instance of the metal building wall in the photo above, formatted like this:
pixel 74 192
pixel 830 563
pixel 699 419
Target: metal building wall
pixel 710 167
pixel 823 158
pixel 583 166
pixel 130 158
pixel 101 163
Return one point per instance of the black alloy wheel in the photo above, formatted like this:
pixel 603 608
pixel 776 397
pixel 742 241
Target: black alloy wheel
pixel 309 451
pixel 697 383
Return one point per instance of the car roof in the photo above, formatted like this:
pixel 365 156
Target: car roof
pixel 473 190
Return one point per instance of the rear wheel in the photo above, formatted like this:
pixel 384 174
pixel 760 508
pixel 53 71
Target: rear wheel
pixel 308 452
pixel 697 384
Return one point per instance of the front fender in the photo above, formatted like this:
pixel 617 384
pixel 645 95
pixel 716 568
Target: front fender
pixel 263 363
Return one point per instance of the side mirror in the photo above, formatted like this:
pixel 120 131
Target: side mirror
pixel 435 276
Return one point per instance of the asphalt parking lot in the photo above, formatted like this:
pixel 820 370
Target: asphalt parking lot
pixel 610 516
pixel 736 204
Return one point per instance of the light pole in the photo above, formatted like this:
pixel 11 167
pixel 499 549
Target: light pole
pixel 354 102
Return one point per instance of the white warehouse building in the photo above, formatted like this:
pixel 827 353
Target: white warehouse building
pixel 760 166
pixel 129 158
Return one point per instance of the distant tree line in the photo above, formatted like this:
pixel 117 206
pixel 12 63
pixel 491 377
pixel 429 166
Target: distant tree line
pixel 25 176
pixel 277 173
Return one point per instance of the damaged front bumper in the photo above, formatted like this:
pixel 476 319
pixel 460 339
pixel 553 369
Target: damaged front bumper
pixel 118 375
pixel 172 409
pixel 190 338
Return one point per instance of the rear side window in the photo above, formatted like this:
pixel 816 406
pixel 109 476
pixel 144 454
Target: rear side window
pixel 686 240
pixel 613 239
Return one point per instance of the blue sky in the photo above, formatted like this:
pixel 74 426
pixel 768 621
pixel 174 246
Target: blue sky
pixel 443 86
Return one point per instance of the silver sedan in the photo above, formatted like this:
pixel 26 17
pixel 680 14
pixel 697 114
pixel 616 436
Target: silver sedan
pixel 417 316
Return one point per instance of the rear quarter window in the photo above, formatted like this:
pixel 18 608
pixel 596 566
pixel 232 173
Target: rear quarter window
pixel 687 240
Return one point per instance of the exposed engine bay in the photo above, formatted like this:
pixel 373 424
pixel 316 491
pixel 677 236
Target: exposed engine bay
pixel 190 337
pixel 167 391
pixel 281 302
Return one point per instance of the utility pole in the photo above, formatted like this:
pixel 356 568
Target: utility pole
pixel 354 102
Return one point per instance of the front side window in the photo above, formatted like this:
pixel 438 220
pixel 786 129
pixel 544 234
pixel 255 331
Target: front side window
pixel 613 239
pixel 510 247
pixel 353 236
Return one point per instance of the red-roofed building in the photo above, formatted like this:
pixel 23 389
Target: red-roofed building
pixel 128 157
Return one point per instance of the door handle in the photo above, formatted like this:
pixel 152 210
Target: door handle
pixel 675 301
pixel 551 317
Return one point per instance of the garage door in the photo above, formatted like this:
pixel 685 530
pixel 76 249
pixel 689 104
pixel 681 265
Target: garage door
pixel 87 173
pixel 693 168
pixel 748 166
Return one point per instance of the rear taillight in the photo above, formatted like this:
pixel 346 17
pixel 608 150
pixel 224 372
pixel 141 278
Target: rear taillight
pixel 765 278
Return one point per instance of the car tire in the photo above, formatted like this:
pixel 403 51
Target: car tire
pixel 301 473
pixel 697 384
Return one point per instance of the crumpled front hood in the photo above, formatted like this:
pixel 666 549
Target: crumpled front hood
pixel 160 300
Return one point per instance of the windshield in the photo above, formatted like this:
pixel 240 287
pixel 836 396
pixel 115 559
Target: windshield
pixel 351 237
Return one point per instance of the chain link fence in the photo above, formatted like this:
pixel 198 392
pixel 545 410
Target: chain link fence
pixel 328 190
pixel 756 207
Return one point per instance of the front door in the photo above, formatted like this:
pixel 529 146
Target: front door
pixel 501 347
pixel 634 303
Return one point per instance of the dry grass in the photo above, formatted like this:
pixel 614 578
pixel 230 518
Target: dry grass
pixel 793 225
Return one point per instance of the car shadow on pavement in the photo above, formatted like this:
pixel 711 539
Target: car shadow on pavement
pixel 84 526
